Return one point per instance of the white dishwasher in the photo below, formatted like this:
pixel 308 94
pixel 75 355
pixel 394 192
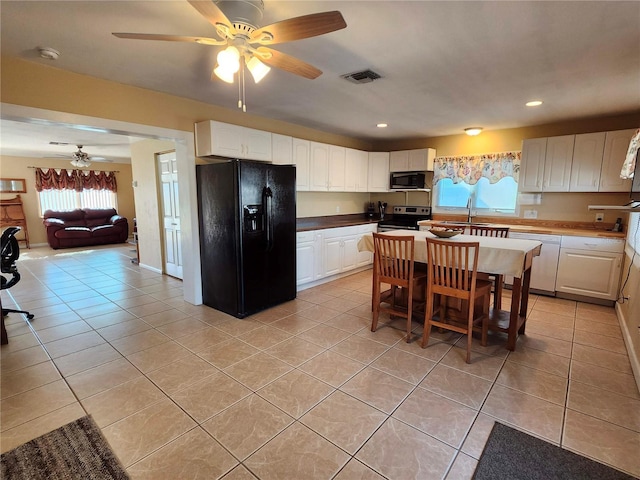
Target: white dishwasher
pixel 590 267
pixel 545 266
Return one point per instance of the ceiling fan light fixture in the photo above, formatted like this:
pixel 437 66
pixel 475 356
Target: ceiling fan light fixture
pixel 229 59
pixel 223 74
pixel 80 163
pixel 258 69
pixel 472 131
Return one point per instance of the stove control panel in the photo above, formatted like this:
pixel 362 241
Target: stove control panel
pixel 408 210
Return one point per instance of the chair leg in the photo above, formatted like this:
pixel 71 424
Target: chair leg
pixel 470 330
pixel 409 312
pixel 485 320
pixel 375 306
pixel 428 313
pixel 497 292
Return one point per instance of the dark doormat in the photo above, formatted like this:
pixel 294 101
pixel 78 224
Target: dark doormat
pixel 514 455
pixel 76 450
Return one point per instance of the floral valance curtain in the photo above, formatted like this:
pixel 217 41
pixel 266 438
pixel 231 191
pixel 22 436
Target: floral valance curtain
pixel 629 165
pixel 77 180
pixel 470 169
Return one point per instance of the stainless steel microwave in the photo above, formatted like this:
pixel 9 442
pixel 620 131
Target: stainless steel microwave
pixel 406 180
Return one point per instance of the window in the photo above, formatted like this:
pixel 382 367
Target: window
pixel 486 183
pixel 64 190
pixel 67 199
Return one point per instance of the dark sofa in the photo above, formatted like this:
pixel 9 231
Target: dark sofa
pixel 79 228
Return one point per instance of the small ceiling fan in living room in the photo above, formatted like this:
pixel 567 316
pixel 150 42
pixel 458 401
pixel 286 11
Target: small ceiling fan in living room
pixel 236 24
pixel 79 158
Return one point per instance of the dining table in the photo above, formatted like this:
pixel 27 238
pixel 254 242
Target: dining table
pixel 496 256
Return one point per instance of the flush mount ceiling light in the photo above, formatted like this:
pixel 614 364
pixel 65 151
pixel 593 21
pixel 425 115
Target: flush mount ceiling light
pixel 472 131
pixel 382 125
pixel 534 103
pixel 48 53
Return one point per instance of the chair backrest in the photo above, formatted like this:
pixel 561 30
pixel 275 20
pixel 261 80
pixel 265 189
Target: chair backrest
pixel 10 249
pixel 393 257
pixel 452 265
pixel 487 231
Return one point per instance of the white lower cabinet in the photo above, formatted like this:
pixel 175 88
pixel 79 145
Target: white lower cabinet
pixel 308 256
pixel 590 267
pixel 331 251
pixel 545 265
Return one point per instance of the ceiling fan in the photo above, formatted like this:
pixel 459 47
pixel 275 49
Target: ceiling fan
pixel 79 158
pixel 239 30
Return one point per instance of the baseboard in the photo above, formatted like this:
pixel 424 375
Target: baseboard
pixel 626 335
pixel 147 267
pixel 305 286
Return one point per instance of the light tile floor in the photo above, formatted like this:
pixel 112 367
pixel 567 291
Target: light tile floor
pixel 303 390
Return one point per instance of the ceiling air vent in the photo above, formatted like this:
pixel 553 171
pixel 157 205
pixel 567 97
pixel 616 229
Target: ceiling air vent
pixel 365 76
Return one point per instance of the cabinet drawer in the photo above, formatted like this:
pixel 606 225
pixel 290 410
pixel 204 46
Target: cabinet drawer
pixel 614 245
pixel 302 237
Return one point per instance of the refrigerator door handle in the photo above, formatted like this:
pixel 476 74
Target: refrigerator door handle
pixel 267 198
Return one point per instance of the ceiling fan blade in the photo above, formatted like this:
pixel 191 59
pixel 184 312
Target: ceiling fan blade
pixel 170 38
pixel 213 14
pixel 288 63
pixel 299 27
pixel 99 159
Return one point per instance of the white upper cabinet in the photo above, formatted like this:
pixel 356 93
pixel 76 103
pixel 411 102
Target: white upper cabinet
pixel 281 149
pixel 557 163
pixel 589 162
pixel 615 150
pixel 356 170
pixel 301 159
pixel 378 172
pixel 337 159
pixel 418 160
pixel 233 141
pixel 319 172
pixel 532 165
pixel 587 159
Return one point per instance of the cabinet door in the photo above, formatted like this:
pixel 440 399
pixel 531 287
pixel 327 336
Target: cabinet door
pixel 615 150
pixel 587 161
pixel 332 252
pixel 378 171
pixel 319 173
pixel 349 253
pixel 419 160
pixel 218 139
pixel 337 168
pixel 256 144
pixel 399 161
pixel 281 149
pixel 356 170
pixel 532 166
pixel 300 152
pixel 305 258
pixel 557 164
pixel 365 258
pixel 589 273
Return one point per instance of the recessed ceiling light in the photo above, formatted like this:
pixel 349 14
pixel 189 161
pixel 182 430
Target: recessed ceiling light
pixel 382 125
pixel 473 130
pixel 534 103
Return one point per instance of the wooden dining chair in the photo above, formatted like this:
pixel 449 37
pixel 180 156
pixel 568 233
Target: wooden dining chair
pixel 498 280
pixel 452 273
pixel 393 264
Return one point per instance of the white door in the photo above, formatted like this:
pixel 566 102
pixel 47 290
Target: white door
pixel 168 168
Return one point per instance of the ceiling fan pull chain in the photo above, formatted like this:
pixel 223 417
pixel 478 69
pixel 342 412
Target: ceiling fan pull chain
pixel 244 98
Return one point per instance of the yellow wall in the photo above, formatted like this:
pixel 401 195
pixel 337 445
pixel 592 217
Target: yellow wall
pixel 17 167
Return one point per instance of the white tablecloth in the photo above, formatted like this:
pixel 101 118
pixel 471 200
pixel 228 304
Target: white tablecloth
pixel 497 255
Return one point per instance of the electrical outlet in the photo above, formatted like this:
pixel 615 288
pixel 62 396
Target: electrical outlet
pixel 338 209
pixel 530 214
pixel 599 217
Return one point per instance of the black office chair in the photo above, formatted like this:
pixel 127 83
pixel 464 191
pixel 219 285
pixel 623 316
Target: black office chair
pixel 8 256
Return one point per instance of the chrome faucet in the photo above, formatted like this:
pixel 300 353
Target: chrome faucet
pixel 469 217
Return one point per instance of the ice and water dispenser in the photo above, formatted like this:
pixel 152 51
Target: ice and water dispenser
pixel 253 218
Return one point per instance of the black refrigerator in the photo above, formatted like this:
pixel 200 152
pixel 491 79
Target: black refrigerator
pixel 247 216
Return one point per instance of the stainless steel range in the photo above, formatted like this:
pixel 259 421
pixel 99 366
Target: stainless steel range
pixel 405 218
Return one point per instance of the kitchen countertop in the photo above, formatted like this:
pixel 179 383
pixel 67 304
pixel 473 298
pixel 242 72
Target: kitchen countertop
pixel 547 227
pixel 333 221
